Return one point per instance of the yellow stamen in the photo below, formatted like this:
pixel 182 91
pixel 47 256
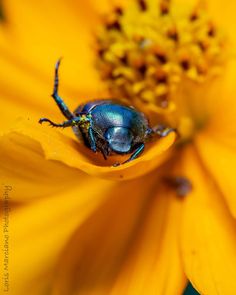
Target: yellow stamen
pixel 147 50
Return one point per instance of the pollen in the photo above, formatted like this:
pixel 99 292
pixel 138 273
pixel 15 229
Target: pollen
pixel 147 50
pixel 84 122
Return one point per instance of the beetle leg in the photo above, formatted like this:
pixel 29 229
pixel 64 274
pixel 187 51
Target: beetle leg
pixel 163 130
pixel 136 153
pixel 62 106
pixel 68 123
pixel 104 153
pixel 92 139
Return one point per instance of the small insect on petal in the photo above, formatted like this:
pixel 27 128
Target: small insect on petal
pixel 181 185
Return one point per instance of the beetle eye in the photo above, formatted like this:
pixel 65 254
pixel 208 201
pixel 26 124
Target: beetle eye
pixel 119 139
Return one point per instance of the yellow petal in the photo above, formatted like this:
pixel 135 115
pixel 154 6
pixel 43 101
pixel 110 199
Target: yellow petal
pixel 25 169
pixel 41 32
pixel 25 92
pixel 103 6
pixel 129 246
pixel 146 269
pixel 220 160
pixel 221 123
pixel 224 14
pixel 217 144
pixel 39 231
pixel 209 233
pixel 33 37
pixel 61 147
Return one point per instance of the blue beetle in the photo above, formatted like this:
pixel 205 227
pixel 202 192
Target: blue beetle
pixel 107 126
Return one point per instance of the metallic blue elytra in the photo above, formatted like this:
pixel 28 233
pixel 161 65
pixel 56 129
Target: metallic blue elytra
pixel 107 126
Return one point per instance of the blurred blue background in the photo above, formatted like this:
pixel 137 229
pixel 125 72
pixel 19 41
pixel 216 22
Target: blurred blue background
pixel 190 290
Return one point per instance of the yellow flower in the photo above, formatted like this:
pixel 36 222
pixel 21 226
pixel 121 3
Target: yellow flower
pixel 76 225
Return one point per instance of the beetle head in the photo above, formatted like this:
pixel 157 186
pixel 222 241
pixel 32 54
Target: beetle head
pixel 119 139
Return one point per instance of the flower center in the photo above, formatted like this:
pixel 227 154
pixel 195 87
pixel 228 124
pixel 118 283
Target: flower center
pixel 150 50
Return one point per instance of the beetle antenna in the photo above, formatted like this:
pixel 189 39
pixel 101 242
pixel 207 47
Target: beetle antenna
pixel 68 123
pixel 64 124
